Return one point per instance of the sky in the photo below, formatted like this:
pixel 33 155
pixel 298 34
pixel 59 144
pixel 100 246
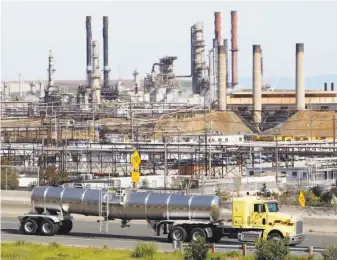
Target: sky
pixel 140 33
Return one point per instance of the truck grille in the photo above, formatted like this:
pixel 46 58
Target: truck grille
pixel 299 227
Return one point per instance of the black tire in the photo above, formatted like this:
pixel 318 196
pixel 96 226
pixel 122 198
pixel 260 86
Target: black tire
pixel 275 236
pixel 48 227
pixel 66 227
pixel 29 226
pixel 217 235
pixel 178 233
pixel 198 232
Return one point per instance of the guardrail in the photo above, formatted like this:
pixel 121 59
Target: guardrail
pixel 245 248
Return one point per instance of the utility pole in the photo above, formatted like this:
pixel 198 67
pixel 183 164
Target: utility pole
pixel 131 119
pixel 276 176
pixel 210 153
pixel 205 153
pixel 165 164
pixel 6 180
pixel 334 130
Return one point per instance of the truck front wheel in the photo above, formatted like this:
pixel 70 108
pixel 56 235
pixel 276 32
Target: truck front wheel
pixel 29 226
pixel 178 233
pixel 275 236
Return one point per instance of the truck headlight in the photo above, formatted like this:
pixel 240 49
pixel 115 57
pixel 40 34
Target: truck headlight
pixel 289 234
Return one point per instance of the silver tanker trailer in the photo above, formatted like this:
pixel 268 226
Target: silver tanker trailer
pixel 181 217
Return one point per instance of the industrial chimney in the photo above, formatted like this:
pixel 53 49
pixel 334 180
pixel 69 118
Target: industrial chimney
pixel 325 86
pixel 234 50
pixel 257 85
pixel 332 86
pixel 217 27
pixel 96 75
pixel 105 51
pixel 89 55
pixel 300 92
pixel 225 43
pixel 222 91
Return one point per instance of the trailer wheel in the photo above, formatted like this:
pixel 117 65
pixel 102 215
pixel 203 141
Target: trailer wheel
pixel 66 227
pixel 48 227
pixel 198 232
pixel 29 226
pixel 178 233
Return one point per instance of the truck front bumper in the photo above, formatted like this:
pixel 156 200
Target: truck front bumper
pixel 295 240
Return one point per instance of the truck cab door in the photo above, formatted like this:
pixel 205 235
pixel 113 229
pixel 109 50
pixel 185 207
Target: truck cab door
pixel 259 216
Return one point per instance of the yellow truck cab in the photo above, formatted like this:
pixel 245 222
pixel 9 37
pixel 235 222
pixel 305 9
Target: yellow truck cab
pixel 254 217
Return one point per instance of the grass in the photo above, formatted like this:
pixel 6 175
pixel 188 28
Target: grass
pixel 21 250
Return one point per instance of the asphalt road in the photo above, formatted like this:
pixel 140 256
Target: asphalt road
pixel 86 233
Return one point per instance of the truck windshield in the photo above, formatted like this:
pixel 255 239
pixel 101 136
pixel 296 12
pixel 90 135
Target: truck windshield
pixel 272 207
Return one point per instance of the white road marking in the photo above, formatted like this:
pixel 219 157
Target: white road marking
pixel 67 237
pixel 10 222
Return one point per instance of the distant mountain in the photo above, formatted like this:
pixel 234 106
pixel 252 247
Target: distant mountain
pixel 311 83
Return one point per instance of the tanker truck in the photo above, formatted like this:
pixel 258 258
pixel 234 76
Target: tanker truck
pixel 178 216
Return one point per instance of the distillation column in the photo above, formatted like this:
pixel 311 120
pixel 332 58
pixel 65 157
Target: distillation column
pixel 257 85
pixel 300 92
pixel 96 75
pixel 51 69
pixel 222 93
pixel 89 55
pixel 198 45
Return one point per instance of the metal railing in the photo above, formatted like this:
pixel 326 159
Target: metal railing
pixel 245 248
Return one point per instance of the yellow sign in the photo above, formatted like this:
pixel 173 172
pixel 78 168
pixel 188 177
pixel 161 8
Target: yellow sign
pixel 135 176
pixel 135 160
pixel 301 199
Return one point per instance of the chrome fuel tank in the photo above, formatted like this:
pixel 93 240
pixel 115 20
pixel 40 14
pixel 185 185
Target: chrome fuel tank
pixel 131 205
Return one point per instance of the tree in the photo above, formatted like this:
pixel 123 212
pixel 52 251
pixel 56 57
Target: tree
pixel 52 176
pixel 102 134
pixel 196 250
pixel 271 250
pixel 12 178
pixel 317 190
pixel 144 184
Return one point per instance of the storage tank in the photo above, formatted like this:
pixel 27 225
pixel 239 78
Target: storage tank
pixel 131 205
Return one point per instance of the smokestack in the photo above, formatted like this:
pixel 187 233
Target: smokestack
pixel 96 75
pixel 257 85
pixel 217 24
pixel 300 92
pixel 222 92
pixel 325 86
pixel 332 86
pixel 234 18
pixel 89 55
pixel 211 75
pixel 215 68
pixel 225 43
pixel 106 51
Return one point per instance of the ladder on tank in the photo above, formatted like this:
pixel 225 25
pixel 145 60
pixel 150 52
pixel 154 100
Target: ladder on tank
pixel 104 211
pixel 105 203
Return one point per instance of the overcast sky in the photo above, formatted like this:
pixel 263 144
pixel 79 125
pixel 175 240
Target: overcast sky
pixel 142 32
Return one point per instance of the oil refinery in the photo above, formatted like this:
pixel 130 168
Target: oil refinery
pixel 183 125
